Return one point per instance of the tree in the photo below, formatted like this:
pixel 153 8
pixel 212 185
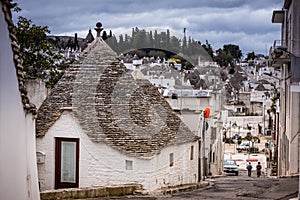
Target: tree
pixel 156 53
pixel 208 48
pixel 39 59
pixel 223 58
pixel 113 43
pixel 250 56
pixel 184 45
pixel 104 35
pixel 234 50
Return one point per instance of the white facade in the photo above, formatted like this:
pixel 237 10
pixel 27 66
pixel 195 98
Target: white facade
pixel 18 170
pixel 288 61
pixel 101 165
pixel 242 123
pixel 161 81
pixel 191 107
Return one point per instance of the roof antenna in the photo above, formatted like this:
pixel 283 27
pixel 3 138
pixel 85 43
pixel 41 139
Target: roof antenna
pixel 98 28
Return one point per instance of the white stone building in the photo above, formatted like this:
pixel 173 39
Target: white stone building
pixel 18 168
pixel 285 54
pixel 105 125
pixel 189 105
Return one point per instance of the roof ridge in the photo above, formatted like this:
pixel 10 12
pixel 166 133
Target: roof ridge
pixel 27 105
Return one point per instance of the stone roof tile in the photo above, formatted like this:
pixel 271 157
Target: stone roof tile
pixel 112 106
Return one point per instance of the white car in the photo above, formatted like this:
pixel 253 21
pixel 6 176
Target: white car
pixel 230 166
pixel 244 146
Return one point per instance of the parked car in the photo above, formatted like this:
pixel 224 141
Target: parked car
pixel 230 166
pixel 244 146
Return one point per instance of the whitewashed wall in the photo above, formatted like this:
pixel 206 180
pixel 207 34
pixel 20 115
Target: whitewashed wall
pixel 18 175
pixel 36 91
pixel 242 121
pixel 102 165
pixel 191 103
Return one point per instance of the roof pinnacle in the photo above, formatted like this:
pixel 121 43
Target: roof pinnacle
pixel 98 28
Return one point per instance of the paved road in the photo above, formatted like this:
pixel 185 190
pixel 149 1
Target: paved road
pixel 245 188
pixel 235 187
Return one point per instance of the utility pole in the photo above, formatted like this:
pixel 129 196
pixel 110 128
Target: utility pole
pixel 206 113
pixel 203 148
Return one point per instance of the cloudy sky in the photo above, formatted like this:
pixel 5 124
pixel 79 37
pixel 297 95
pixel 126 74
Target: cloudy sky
pixel 246 23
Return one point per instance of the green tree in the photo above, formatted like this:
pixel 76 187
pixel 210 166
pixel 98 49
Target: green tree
pixel 184 45
pixel 151 41
pixel 208 48
pixel 234 50
pixel 250 56
pixel 139 38
pixel 223 58
pixel 39 59
pixel 104 35
pixel 156 54
pixel 174 44
pixel 113 43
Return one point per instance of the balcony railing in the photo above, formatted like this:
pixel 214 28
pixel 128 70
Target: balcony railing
pixel 278 54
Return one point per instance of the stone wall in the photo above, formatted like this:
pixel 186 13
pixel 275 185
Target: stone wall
pixel 95 192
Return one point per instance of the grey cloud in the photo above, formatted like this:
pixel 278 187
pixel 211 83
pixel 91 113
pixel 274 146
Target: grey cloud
pixel 240 18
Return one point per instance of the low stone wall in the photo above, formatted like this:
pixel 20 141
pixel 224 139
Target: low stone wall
pixel 184 188
pixel 95 192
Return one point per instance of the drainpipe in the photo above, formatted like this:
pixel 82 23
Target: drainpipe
pixel 203 149
pixel 199 161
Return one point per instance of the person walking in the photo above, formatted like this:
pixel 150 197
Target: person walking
pixel 258 169
pixel 249 168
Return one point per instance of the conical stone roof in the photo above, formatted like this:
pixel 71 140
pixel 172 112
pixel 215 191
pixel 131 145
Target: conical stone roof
pixel 113 106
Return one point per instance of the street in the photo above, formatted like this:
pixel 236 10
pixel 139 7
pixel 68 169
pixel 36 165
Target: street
pixel 235 187
pixel 243 158
pixel 243 187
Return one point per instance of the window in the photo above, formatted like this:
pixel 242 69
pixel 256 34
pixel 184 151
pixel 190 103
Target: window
pixel 192 153
pixel 66 162
pixel 128 164
pixel 171 159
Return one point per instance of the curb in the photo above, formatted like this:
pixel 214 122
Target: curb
pixel 184 188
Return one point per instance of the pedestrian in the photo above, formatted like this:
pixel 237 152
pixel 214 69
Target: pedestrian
pixel 249 168
pixel 258 169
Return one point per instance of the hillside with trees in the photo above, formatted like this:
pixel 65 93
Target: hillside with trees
pixel 163 44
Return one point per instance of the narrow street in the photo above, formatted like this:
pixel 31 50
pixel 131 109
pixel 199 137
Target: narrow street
pixel 235 187
pixel 243 187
